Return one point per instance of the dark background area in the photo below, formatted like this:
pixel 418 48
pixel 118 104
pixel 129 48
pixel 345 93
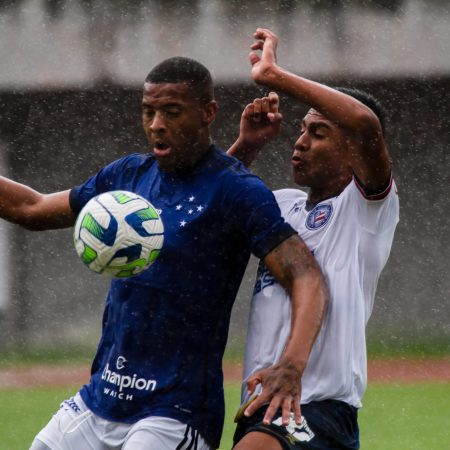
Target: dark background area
pixel 53 140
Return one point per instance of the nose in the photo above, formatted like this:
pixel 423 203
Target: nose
pixel 302 143
pixel 157 124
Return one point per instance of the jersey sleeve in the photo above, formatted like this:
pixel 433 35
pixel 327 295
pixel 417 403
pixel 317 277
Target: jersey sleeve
pixel 287 197
pixel 376 212
pixel 258 216
pixel 105 180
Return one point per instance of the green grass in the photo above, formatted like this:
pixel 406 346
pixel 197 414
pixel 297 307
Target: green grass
pixel 57 356
pixel 232 402
pixel 409 417
pixel 390 345
pixel 24 412
pixel 394 417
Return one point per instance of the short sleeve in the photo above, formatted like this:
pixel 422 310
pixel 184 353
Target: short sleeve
pixel 107 179
pixel 379 212
pixel 258 216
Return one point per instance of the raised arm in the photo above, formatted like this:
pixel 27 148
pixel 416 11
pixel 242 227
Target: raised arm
pixel 26 207
pixel 368 153
pixel 297 271
pixel 260 122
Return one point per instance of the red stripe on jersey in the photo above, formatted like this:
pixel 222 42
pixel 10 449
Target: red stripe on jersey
pixel 379 196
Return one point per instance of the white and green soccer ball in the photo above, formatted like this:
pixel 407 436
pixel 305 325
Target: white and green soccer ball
pixel 119 234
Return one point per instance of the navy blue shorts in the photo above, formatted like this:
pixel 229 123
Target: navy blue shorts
pixel 327 425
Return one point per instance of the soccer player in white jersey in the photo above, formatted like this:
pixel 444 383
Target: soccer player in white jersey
pixel 347 220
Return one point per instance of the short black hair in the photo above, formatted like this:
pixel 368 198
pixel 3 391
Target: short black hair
pixel 184 70
pixel 366 99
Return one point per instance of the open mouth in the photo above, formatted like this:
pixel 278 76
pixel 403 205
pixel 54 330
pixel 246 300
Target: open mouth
pixel 296 160
pixel 161 148
pixel 297 163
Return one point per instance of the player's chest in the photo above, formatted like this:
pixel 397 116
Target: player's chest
pixel 182 205
pixel 314 225
pixel 186 212
pixel 192 216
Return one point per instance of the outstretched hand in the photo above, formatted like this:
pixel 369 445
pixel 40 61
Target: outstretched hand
pixel 281 388
pixel 260 121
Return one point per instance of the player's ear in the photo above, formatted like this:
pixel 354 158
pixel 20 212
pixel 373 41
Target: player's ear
pixel 209 112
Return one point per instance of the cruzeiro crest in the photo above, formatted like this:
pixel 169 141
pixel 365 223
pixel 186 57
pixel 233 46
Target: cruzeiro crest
pixel 319 216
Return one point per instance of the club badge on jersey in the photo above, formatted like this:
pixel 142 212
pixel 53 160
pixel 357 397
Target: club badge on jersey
pixel 319 216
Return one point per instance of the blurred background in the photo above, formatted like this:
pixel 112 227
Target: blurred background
pixel 70 85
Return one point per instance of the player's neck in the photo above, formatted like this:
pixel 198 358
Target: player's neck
pixel 319 194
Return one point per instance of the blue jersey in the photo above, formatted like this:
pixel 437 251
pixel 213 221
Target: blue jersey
pixel 164 330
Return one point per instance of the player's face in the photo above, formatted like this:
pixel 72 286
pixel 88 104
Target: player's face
pixel 320 158
pixel 176 123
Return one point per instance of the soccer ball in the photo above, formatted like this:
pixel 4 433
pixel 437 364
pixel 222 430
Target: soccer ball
pixel 118 233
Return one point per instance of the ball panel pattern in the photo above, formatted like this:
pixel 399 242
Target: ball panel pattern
pixel 119 234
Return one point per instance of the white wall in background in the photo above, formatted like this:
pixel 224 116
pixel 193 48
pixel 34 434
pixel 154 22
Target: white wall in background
pixel 5 263
pixel 79 47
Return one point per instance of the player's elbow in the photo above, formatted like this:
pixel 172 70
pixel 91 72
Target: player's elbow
pixel 368 125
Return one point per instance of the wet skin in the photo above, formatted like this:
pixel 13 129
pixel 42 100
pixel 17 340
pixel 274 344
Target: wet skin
pixel 320 159
pixel 176 122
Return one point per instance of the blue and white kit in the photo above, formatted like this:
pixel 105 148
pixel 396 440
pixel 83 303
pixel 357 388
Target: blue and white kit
pixel 164 330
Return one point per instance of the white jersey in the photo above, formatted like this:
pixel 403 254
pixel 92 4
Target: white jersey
pixel 350 236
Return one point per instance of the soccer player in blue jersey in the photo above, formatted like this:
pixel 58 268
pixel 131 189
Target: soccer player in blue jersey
pixel 156 380
pixel 347 219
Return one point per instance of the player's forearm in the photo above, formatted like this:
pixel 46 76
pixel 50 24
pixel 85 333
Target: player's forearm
pixel 340 108
pixel 17 201
pixel 26 207
pixel 244 152
pixel 309 300
pixel 298 272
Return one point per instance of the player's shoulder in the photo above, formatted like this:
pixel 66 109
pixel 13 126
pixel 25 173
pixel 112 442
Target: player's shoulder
pixel 374 211
pixel 132 163
pixel 379 197
pixel 233 171
pixel 221 160
pixel 135 160
pixel 289 195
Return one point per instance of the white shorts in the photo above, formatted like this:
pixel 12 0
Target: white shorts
pixel 76 427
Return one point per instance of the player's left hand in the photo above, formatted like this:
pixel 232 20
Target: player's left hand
pixel 281 388
pixel 260 121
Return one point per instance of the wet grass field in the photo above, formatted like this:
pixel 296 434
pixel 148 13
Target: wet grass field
pixel 394 416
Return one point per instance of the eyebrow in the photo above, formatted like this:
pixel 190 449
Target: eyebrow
pixel 317 124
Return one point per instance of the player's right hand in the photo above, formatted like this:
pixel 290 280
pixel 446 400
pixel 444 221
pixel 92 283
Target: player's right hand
pixel 281 389
pixel 262 65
